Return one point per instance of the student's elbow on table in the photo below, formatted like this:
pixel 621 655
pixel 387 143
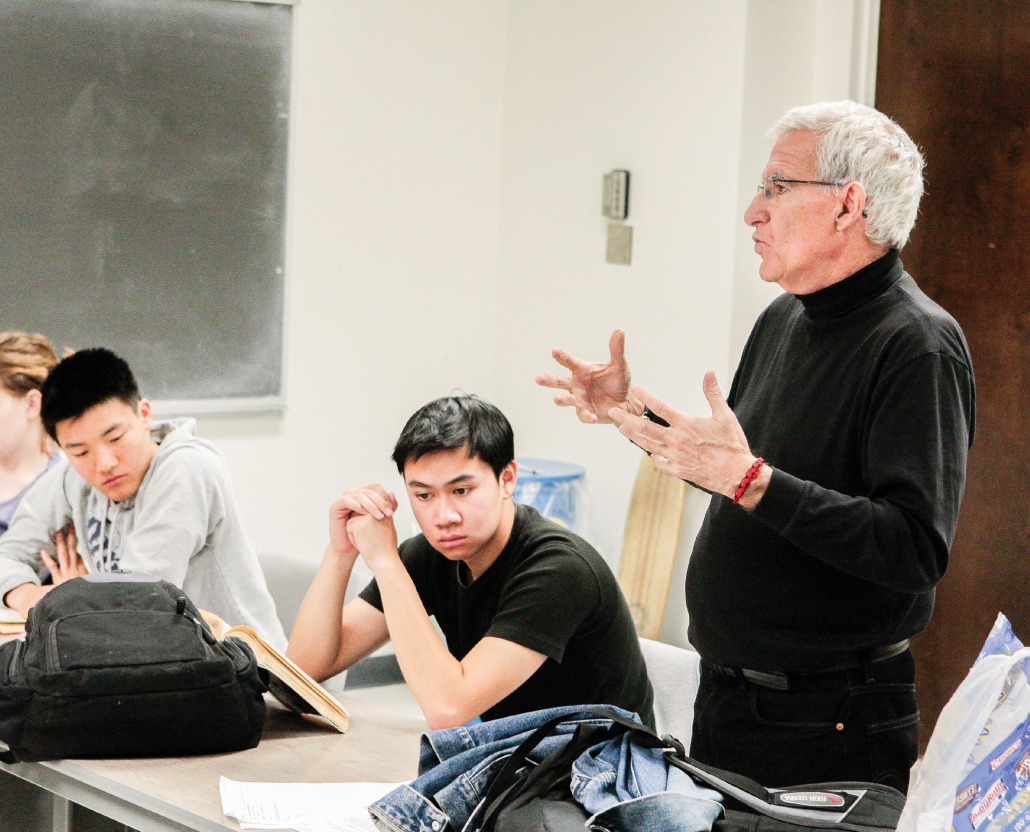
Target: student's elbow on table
pixel 445 718
pixel 451 713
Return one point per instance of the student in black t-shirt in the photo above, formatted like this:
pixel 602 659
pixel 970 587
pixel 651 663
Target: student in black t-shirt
pixel 532 615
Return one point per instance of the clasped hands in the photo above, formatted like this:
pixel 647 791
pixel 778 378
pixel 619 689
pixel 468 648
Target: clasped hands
pixel 709 451
pixel 361 521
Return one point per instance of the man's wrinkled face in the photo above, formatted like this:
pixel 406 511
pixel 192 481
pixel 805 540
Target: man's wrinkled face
pixel 110 446
pixel 795 229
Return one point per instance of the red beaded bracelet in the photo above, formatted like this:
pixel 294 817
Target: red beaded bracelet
pixel 749 477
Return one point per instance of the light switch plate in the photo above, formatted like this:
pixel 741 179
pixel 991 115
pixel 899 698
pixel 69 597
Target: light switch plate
pixel 620 244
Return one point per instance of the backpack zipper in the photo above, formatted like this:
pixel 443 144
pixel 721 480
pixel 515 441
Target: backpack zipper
pixel 16 669
pixel 53 658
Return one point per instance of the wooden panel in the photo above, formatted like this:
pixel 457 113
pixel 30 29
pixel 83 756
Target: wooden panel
pixel 955 75
pixel 649 545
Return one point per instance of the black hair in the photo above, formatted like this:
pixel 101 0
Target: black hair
pixel 457 422
pixel 83 380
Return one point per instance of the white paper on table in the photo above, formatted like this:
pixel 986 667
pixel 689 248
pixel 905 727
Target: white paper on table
pixel 311 824
pixel 278 805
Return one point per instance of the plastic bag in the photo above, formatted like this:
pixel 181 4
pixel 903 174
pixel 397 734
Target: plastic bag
pixel 975 776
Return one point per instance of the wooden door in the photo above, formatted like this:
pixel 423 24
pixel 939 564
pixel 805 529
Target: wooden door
pixel 956 75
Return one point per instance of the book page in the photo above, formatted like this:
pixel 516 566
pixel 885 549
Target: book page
pixel 214 621
pixel 290 684
pixel 290 674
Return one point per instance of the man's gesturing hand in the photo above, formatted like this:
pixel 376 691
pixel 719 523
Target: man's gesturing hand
pixel 710 451
pixel 594 388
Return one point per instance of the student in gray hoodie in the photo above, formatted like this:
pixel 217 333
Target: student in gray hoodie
pixel 135 495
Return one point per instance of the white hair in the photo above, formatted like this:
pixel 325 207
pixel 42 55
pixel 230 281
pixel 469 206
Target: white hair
pixel 860 144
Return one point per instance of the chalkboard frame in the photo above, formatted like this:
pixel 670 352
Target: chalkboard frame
pixel 168 400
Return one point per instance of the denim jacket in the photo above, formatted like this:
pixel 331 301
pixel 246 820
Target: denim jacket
pixel 629 788
pixel 622 784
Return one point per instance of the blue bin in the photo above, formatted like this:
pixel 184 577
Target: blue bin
pixel 553 488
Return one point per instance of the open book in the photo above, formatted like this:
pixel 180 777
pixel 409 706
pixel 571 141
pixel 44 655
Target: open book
pixel 287 682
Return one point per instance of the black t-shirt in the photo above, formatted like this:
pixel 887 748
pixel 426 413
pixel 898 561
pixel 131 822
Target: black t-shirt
pixel 550 591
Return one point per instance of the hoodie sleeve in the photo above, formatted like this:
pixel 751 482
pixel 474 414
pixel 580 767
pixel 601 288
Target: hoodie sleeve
pixel 43 511
pixel 175 513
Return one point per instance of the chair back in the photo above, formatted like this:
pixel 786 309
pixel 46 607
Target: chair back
pixel 675 674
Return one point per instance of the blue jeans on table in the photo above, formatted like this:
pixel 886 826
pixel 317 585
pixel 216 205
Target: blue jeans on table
pixel 457 765
pixel 611 779
pixel 629 788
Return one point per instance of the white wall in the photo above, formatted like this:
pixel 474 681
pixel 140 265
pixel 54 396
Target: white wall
pixel 394 188
pixel 797 53
pixel 594 85
pixel 446 228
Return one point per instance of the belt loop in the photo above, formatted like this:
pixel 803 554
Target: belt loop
pixel 867 668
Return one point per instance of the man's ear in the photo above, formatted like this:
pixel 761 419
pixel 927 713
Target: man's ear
pixel 509 476
pixel 851 205
pixel 146 411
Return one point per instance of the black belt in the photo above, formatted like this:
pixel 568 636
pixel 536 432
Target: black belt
pixel 780 680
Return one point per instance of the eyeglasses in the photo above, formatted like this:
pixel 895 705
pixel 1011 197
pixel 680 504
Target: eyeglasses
pixel 771 185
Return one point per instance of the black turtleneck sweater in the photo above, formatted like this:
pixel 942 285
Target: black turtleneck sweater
pixel 860 396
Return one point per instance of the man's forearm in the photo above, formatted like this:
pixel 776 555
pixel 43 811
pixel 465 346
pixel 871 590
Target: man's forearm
pixel 433 674
pixel 22 598
pixel 316 638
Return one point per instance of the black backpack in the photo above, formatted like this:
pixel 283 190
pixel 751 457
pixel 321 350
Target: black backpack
pixel 122 665
pixel 525 797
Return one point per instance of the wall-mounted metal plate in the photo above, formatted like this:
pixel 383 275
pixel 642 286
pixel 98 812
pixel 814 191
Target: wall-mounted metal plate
pixel 620 244
pixel 615 196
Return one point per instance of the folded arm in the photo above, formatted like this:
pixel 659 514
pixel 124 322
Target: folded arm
pixel 450 692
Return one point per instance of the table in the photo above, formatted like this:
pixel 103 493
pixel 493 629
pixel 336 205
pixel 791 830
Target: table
pixel 179 794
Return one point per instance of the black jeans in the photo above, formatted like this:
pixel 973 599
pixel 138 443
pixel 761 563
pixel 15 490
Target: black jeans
pixel 855 724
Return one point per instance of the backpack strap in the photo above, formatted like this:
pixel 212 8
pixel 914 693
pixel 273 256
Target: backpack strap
pixel 506 786
pixel 848 806
pixel 852 806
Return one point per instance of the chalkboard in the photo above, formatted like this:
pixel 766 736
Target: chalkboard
pixel 143 158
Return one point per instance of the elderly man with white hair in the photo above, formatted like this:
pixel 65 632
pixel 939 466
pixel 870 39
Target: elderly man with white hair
pixel 836 466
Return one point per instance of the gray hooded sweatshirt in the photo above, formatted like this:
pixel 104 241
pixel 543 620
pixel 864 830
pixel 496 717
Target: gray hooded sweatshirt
pixel 181 525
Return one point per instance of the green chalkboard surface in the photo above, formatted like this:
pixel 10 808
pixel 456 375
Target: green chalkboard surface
pixel 143 159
